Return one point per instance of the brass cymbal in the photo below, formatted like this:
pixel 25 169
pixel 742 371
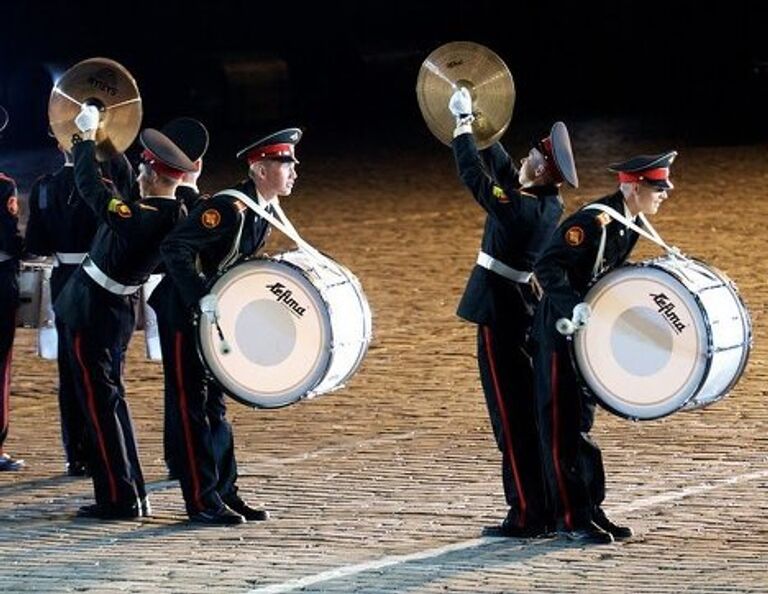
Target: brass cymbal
pixel 474 66
pixel 109 86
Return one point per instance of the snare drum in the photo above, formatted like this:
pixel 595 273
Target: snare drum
pixel 665 334
pixel 296 328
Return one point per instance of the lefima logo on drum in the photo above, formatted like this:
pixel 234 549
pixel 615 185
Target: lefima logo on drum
pixel 284 295
pixel 667 309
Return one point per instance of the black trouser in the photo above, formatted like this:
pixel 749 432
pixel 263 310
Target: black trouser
pixel 507 377
pixel 74 433
pixel 97 363
pixel 201 440
pixel 573 463
pixel 9 299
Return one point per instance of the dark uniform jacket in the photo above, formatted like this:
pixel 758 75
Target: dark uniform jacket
pixel 518 224
pixel 125 248
pixel 11 242
pixel 565 269
pixel 59 221
pixel 219 232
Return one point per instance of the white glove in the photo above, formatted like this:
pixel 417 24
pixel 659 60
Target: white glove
pixel 209 304
pixel 460 103
pixel 581 314
pixel 88 118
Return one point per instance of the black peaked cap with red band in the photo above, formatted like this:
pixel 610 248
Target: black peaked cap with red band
pixel 3 118
pixel 278 146
pixel 166 158
pixel 557 150
pixel 651 169
pixel 189 134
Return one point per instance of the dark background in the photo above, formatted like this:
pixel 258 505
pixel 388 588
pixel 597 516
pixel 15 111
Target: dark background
pixel 348 70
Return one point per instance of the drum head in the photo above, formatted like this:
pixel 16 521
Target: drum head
pixel 645 350
pixel 278 330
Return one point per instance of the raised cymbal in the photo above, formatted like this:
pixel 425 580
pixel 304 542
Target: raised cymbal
pixel 463 63
pixel 109 86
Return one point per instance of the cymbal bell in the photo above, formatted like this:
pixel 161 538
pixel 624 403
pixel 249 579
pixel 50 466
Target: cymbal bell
pixel 110 87
pixel 484 73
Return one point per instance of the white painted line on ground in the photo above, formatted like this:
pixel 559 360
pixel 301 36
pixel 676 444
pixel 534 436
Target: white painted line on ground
pixel 389 561
pixel 340 572
pixel 653 500
pixel 342 447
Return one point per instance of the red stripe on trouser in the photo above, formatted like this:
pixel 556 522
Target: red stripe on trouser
pixel 506 426
pixel 91 401
pixel 183 408
pixel 567 515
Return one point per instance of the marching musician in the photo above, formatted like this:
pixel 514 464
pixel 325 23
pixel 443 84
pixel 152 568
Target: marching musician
pixel 61 224
pixel 588 243
pixel 192 137
pixel 97 305
pixel 220 232
pixel 522 209
pixel 11 247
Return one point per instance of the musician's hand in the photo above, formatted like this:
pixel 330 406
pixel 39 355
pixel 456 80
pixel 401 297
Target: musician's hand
pixel 460 103
pixel 87 121
pixel 581 314
pixel 209 304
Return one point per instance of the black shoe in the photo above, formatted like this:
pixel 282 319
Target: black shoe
pixel 618 532
pixel 509 530
pixel 245 510
pixel 110 511
pixel 588 534
pixel 78 469
pixel 8 463
pixel 223 516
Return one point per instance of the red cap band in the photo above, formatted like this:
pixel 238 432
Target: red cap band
pixel 658 174
pixel 270 152
pixel 161 168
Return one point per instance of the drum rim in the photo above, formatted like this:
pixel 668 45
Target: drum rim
pixel 284 401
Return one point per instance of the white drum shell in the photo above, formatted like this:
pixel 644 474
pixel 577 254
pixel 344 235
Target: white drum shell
pixel 665 334
pixel 296 329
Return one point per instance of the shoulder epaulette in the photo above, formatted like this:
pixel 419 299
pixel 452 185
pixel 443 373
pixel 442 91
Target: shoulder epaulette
pixel 603 219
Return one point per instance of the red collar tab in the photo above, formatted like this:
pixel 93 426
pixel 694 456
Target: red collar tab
pixel 270 151
pixel 657 174
pixel 161 168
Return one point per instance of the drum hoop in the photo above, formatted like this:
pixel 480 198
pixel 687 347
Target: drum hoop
pixel 227 389
pixel 746 320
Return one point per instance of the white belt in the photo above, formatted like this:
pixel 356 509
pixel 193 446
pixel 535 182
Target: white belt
pixel 4 257
pixel 68 258
pixel 497 266
pixel 104 281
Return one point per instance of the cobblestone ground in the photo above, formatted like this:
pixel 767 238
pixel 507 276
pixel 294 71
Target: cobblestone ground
pixel 385 485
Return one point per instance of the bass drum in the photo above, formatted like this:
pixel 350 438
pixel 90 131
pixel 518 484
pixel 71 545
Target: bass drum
pixel 665 334
pixel 289 328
